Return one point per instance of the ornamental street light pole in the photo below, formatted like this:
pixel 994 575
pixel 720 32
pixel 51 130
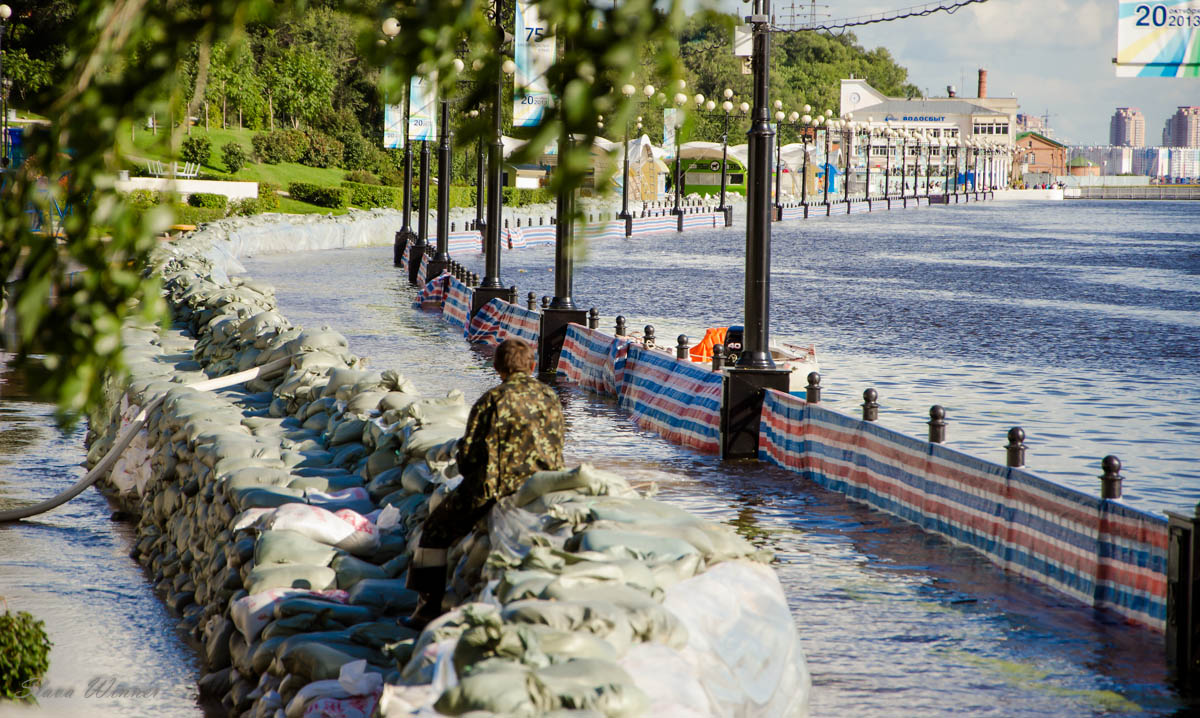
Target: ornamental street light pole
pixel 903 163
pixel 629 91
pixel 391 28
pixel 680 100
pixel 5 13
pixel 827 164
pixel 870 136
pixel 491 287
pixel 848 135
pixel 479 187
pixel 441 256
pixel 887 168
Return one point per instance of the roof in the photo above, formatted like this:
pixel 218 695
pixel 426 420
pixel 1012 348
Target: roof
pixel 1081 162
pixel 1040 136
pixel 899 109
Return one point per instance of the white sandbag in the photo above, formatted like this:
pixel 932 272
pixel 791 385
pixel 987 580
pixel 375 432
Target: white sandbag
pixel 584 478
pixel 251 613
pixel 344 529
pixel 290 575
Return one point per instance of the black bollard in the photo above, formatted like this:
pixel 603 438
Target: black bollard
pixel 545 302
pixel 593 318
pixel 1110 480
pixel 1016 447
pixel 937 424
pixel 870 405
pixel 648 336
pixel 531 301
pixel 718 357
pixel 812 392
pixel 620 329
pixel 512 294
pixel 506 224
pixel 518 222
pixel 681 347
pixel 474 279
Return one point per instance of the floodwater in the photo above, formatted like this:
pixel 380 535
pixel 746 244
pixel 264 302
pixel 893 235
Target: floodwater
pixel 1076 321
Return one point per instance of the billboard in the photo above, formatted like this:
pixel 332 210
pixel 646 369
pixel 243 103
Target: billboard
pixel 393 127
pixel 1158 39
pixel 422 108
pixel 669 131
pixel 533 54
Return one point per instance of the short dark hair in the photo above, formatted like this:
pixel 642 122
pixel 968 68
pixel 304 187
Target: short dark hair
pixel 513 355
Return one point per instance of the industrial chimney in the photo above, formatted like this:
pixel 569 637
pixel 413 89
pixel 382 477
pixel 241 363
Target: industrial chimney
pixel 950 91
pixel 982 83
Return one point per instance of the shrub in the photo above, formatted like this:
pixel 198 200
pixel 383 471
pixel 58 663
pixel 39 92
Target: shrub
pixel 356 151
pixel 234 156
pixel 196 148
pixel 280 146
pixel 24 654
pixel 186 214
pixel 514 197
pixel 461 196
pixel 335 197
pixel 368 196
pixel 142 199
pixel 268 196
pixel 362 177
pixel 209 200
pixel 323 151
pixel 245 207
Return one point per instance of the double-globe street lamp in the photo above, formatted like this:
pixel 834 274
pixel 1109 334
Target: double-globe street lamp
pixel 629 91
pixel 791 119
pixel 5 13
pixel 727 108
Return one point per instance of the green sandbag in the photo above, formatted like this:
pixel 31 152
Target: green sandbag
pixel 417 477
pixel 343 376
pixel 348 453
pixel 328 484
pixel 351 570
pixel 397 401
pixel 632 544
pixel 584 478
pixel 504 688
pixel 317 661
pixel 317 422
pixel 365 402
pixel 386 482
pixel 290 575
pixel 300 624
pixel 593 684
pixel 346 431
pixel 263 652
pixel 387 595
pixel 381 460
pixel 420 441
pixel 532 645
pixel 254 476
pixel 264 497
pixel 285 546
pixel 339 612
pixel 604 620
pixel 377 634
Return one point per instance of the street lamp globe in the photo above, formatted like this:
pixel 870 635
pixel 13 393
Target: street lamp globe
pixel 727 106
pixel 778 104
pixel 680 98
pixel 628 90
pixel 648 91
pixel 509 67
pixel 807 108
pixel 391 26
pixel 710 105
pixel 459 65
pixel 779 115
pixel 829 113
pixel 681 84
pixel 807 119
pixel 794 116
pixel 728 93
pixel 745 107
pixel 699 99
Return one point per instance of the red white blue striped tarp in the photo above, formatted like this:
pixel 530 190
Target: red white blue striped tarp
pixel 498 320
pixel 404 259
pixel 653 225
pixel 793 213
pixel 614 229
pixel 859 207
pixel 1099 552
pixel 434 292
pixel 457 304
pixel 470 241
pixel 521 237
pixel 593 360
pixel 701 221
pixel 678 399
pixel 423 269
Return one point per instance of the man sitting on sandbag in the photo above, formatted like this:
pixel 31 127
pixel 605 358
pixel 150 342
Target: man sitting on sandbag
pixel 514 430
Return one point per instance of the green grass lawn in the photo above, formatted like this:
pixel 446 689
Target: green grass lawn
pixel 144 146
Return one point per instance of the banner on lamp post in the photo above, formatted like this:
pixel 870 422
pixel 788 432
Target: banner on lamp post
pixel 422 108
pixel 393 127
pixel 669 130
pixel 533 54
pixel 1158 38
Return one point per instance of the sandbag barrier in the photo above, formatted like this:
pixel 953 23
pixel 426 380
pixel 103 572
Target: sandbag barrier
pixel 278 521
pixel 1097 551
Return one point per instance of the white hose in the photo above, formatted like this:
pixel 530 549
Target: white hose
pixel 102 468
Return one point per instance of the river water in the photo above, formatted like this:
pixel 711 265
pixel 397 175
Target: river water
pixel 1076 321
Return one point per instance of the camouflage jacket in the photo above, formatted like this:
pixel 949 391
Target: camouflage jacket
pixel 514 430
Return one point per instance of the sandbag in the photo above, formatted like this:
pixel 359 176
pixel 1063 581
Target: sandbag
pixel 259 497
pixel 251 613
pixel 351 570
pixel 344 529
pixel 593 684
pixel 584 478
pixel 291 547
pixel 286 575
pixel 501 687
pixel 345 614
pixel 387 595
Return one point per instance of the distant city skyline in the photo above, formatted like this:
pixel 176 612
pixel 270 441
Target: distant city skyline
pixel 1052 55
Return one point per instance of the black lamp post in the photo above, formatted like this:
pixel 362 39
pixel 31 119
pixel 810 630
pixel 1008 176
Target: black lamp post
pixel 479 199
pixel 928 158
pixel 629 91
pixel 5 13
pixel 888 132
pixel 848 135
pixel 491 287
pixel 727 107
pixel 947 145
pixel 826 121
pixel 441 256
pixel 680 101
pixel 870 132
pixel 391 28
pixel 903 162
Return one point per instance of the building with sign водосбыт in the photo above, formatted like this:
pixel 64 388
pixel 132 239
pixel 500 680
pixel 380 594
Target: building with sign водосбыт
pixel 1037 154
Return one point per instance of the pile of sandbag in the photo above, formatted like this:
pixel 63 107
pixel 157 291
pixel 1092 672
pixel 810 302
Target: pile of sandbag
pixel 278 519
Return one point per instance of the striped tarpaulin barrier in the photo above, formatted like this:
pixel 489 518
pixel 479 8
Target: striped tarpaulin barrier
pixel 701 221
pixel 792 213
pixel 593 360
pixel 678 399
pixel 471 241
pixel 498 320
pixel 1098 552
pixel 612 229
pixel 653 225
pixel 423 269
pixel 433 293
pixel 860 207
pixel 457 304
pixel 521 237
pixel 404 258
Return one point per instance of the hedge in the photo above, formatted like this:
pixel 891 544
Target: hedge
pixel 369 196
pixel 209 200
pixel 334 197
pixel 268 197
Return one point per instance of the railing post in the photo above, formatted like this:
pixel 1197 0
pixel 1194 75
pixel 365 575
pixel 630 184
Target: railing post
pixel 1016 447
pixel 681 347
pixel 531 301
pixel 593 318
pixel 512 294
pixel 1183 594
pixel 648 336
pixel 1110 480
pixel 718 360
pixel 812 392
pixel 870 407
pixel 620 328
pixel 937 424
pixel 545 302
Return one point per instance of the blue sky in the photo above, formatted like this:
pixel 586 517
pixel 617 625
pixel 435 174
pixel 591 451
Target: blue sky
pixel 1053 55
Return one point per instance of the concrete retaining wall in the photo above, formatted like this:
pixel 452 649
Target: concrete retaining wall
pixel 185 187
